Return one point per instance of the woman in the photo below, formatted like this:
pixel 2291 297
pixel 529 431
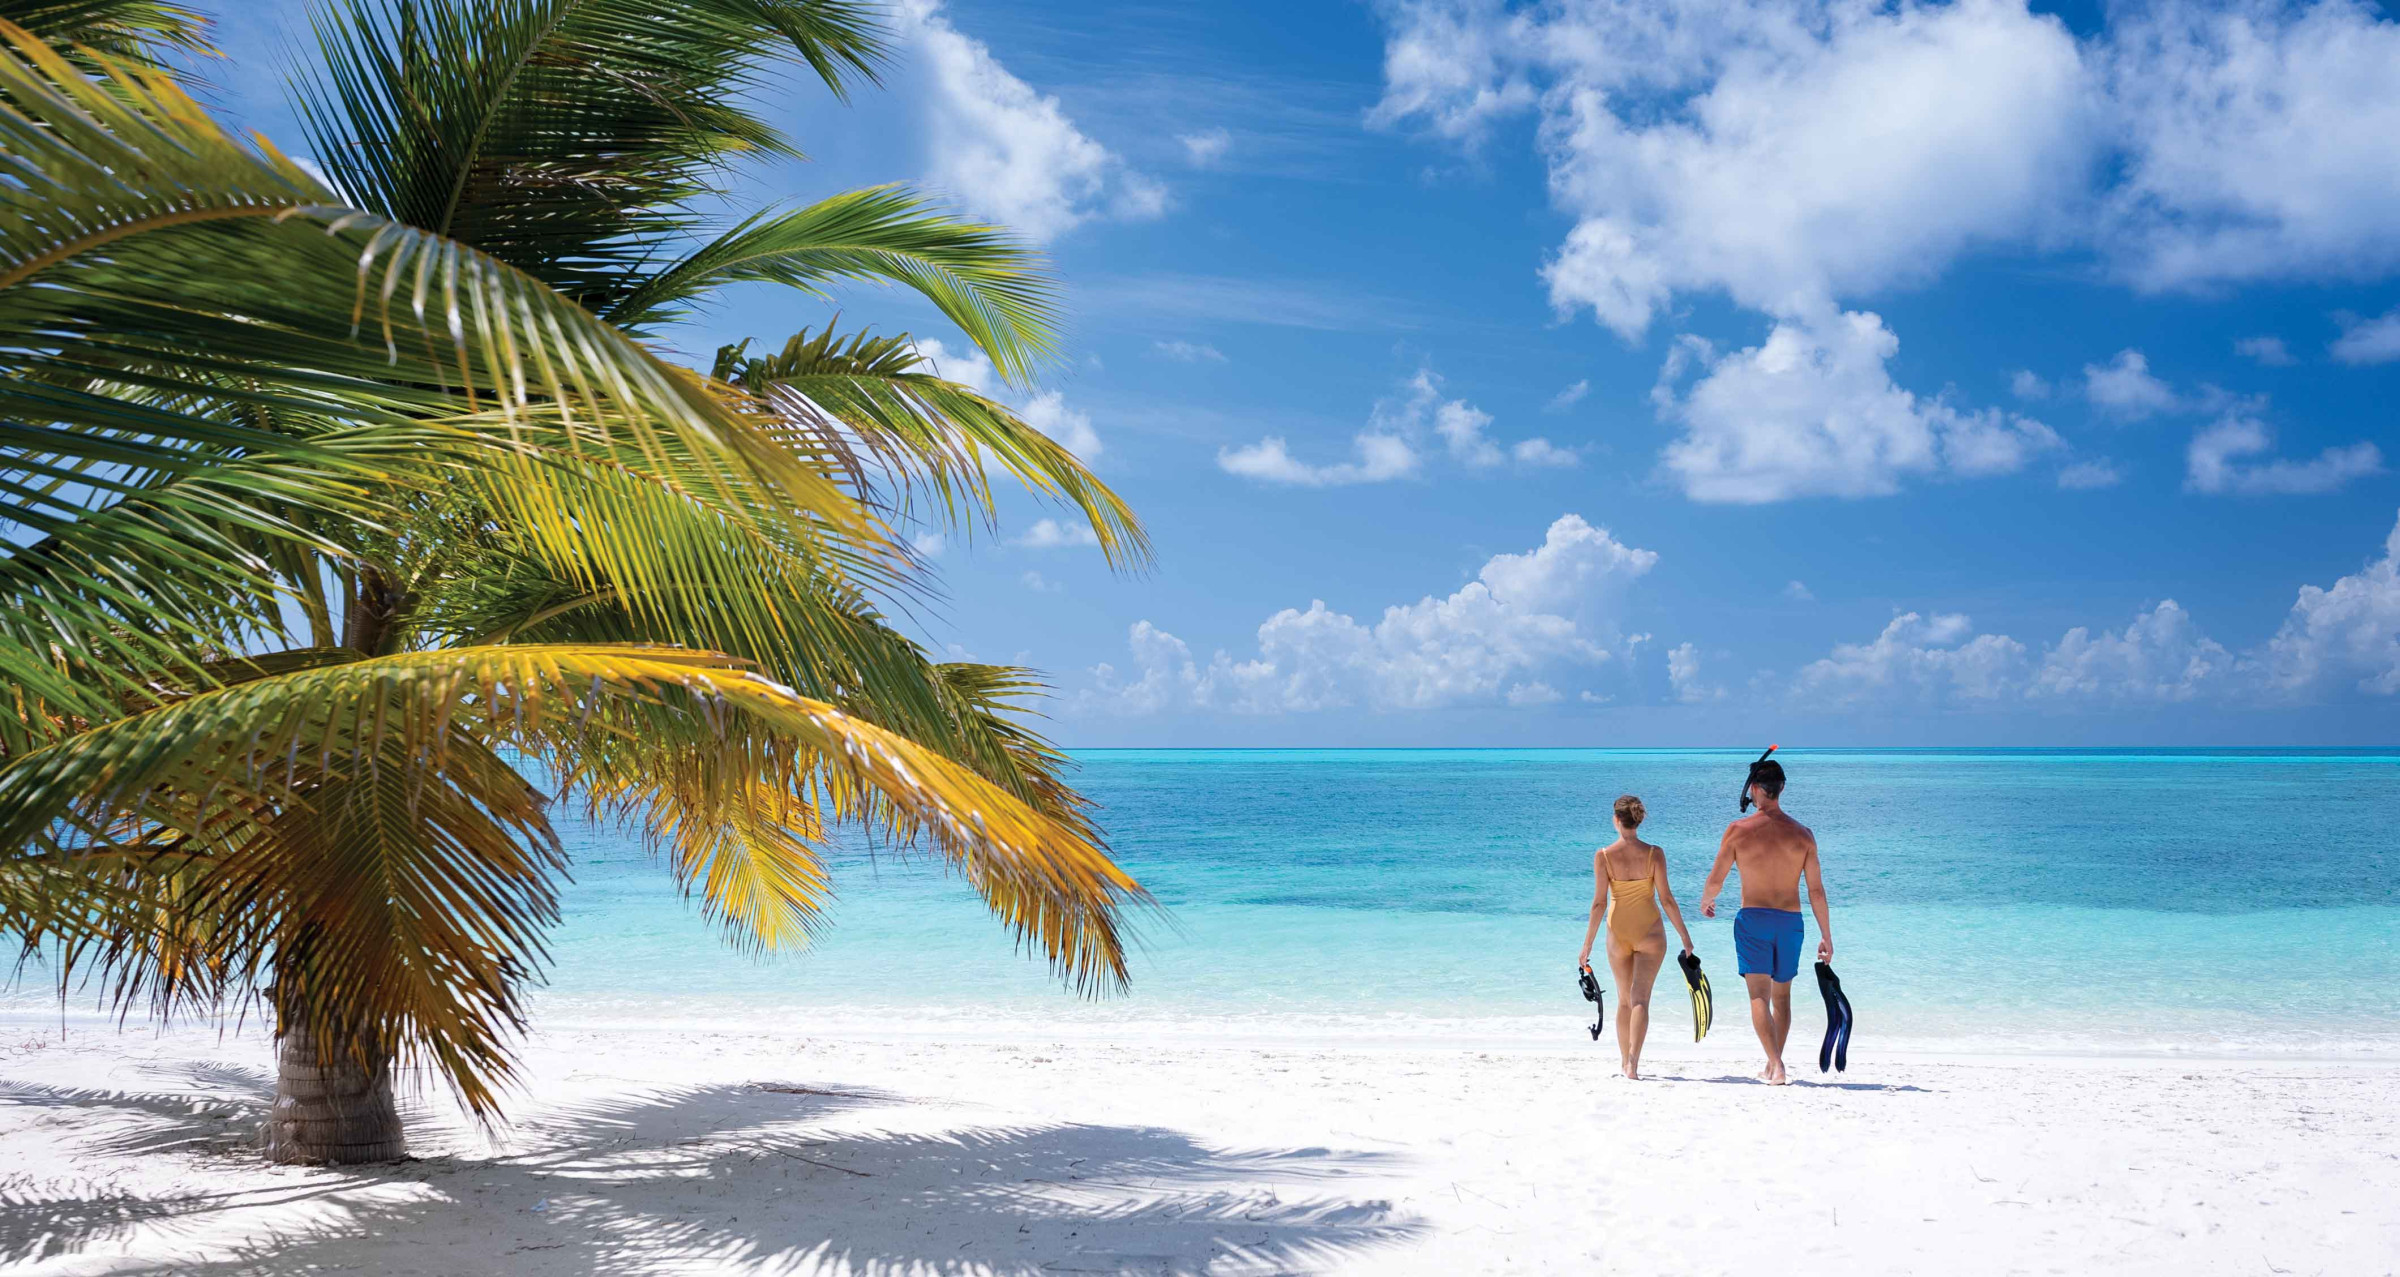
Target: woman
pixel 1629 884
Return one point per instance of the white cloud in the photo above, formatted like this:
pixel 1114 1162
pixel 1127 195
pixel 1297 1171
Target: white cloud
pixel 2159 657
pixel 1040 584
pixel 2256 142
pixel 1391 445
pixel 2215 463
pixel 1783 153
pixel 2369 341
pixel 1683 676
pixel 1569 397
pixel 2337 641
pixel 1381 458
pixel 1205 147
pixel 1050 534
pixel 928 544
pixel 1007 152
pixel 1791 154
pixel 1916 660
pixel 2025 384
pixel 1798 592
pixel 1813 411
pixel 2124 387
pixel 2269 351
pixel 1554 606
pixel 1189 352
pixel 1521 695
pixel 2344 637
pixel 2086 476
pixel 1538 451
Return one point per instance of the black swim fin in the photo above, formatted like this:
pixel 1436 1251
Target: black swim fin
pixel 1704 999
pixel 1591 994
pixel 1835 1053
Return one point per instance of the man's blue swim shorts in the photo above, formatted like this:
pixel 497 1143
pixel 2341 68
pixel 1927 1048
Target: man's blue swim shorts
pixel 1767 942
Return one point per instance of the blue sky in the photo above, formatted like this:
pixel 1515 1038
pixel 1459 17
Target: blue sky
pixel 1617 373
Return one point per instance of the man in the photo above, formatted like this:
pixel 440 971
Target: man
pixel 1773 852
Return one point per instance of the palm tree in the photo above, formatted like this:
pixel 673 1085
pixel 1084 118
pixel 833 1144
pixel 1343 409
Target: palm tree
pixel 340 507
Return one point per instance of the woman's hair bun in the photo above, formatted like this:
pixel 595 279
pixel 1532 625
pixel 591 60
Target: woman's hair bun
pixel 1629 810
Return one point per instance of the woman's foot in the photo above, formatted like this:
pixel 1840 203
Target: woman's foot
pixel 1633 1072
pixel 1774 1076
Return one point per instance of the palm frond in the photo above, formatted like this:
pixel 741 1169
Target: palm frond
pixel 292 789
pixel 141 246
pixel 926 433
pixel 562 137
pixel 143 33
pixel 986 281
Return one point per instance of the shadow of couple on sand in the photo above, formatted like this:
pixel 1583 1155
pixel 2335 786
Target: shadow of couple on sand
pixel 726 1178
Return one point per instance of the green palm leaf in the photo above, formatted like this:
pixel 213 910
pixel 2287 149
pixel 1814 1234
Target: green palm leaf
pixel 563 137
pixel 984 280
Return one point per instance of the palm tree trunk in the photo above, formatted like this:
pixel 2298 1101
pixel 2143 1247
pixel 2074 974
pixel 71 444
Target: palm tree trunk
pixel 331 1109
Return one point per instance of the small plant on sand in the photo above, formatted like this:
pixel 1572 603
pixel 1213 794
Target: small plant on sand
pixel 351 516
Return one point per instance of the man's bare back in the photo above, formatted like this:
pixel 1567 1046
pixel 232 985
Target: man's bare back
pixel 1771 851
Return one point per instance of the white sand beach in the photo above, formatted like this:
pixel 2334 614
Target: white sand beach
pixel 680 1151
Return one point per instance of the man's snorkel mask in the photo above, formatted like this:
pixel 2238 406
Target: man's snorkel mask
pixel 1752 778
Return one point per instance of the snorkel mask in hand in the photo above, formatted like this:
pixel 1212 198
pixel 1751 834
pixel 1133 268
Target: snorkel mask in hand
pixel 1752 778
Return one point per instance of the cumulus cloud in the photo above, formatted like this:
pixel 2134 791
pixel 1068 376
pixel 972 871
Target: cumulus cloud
pixel 1494 640
pixel 2024 383
pixel 1798 592
pixel 2254 142
pixel 1393 443
pixel 1813 411
pixel 1380 458
pixel 2341 640
pixel 1820 145
pixel 1007 152
pixel 1790 154
pixel 2267 351
pixel 1915 660
pixel 1569 397
pixel 2369 341
pixel 929 544
pixel 1683 676
pixel 2123 387
pixel 2160 657
pixel 2216 463
pixel 1050 534
pixel 1040 584
pixel 2344 637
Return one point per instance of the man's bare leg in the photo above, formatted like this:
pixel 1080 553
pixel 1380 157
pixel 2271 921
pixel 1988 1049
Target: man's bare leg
pixel 1781 996
pixel 1767 999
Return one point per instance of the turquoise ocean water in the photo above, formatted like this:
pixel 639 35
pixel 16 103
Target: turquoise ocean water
pixel 2106 902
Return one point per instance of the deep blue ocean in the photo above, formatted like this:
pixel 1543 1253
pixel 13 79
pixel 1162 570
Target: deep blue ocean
pixel 2085 901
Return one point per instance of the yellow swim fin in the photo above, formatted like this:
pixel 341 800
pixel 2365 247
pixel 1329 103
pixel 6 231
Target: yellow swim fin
pixel 1704 1003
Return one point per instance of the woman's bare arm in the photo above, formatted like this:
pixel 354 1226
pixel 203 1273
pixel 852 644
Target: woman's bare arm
pixel 1666 895
pixel 1599 907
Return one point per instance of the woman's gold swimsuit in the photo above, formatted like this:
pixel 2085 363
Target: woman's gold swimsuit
pixel 1633 920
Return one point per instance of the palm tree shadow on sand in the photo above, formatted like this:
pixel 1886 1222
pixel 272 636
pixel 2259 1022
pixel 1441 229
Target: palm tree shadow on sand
pixel 735 1178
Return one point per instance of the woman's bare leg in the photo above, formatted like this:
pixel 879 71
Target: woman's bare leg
pixel 1634 1005
pixel 1620 966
